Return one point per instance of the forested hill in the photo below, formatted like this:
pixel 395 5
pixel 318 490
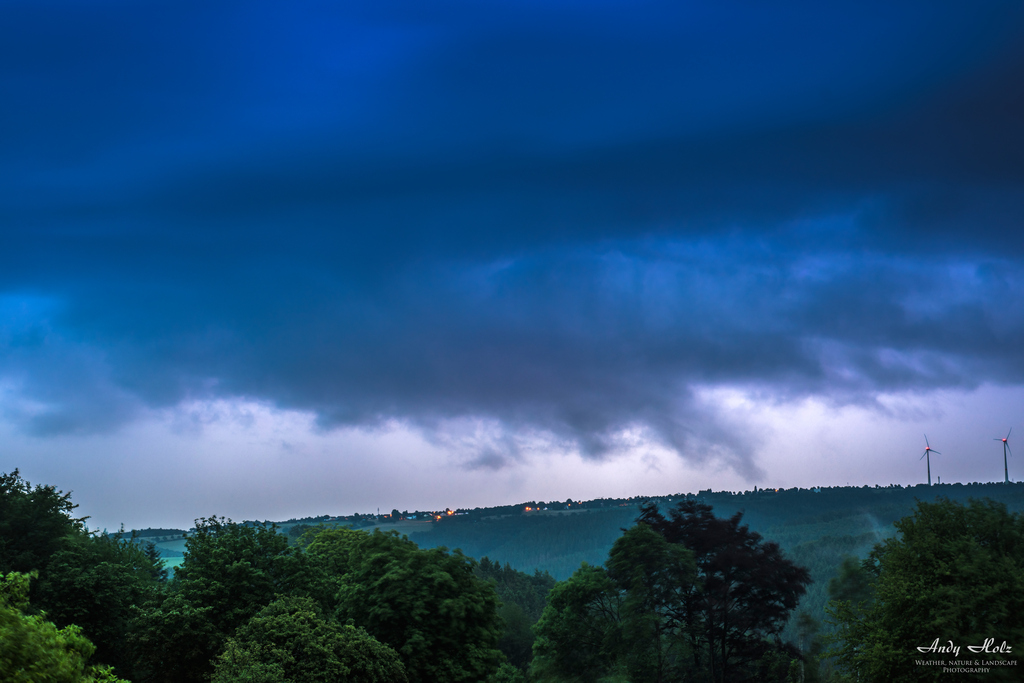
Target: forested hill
pixel 816 528
pixel 849 520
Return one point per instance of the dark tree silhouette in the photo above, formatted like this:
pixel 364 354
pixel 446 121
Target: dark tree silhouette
pixel 34 521
pixel 744 593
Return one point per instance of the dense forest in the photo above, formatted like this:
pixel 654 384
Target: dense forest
pixel 789 585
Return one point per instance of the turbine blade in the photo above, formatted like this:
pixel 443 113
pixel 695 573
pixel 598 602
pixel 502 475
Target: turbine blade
pixel 1008 433
pixel 1008 449
pixel 922 455
pixel 926 441
pixel 936 452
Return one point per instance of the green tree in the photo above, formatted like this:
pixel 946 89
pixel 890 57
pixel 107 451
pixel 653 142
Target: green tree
pixel 87 580
pixel 426 604
pixel 507 673
pixel 954 573
pixel 623 619
pixel 654 577
pixel 691 597
pixel 94 582
pixel 517 636
pixel 289 640
pixel 298 530
pixel 812 645
pixel 852 584
pixel 33 523
pixel 528 591
pixel 155 566
pixel 579 633
pixel 523 598
pixel 33 650
pixel 229 573
pixel 173 640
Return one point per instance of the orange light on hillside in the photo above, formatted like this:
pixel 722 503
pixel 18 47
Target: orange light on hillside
pixel 450 512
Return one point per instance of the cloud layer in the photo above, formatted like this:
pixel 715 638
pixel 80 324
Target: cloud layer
pixel 509 223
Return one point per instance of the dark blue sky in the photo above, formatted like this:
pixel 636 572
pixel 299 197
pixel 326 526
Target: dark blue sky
pixel 519 235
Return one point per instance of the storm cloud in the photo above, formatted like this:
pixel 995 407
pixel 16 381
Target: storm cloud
pixel 557 221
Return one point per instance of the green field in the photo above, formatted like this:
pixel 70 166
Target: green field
pixel 176 546
pixel 173 563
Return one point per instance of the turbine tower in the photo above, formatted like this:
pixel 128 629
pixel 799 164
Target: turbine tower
pixel 1006 449
pixel 928 450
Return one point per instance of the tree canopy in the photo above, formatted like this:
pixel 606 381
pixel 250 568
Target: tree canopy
pixel 955 573
pixel 579 633
pixel 86 580
pixel 290 640
pixel 746 590
pixel 230 572
pixel 33 649
pixel 34 521
pixel 95 582
pixel 523 598
pixel 687 597
pixel 621 619
pixel 426 604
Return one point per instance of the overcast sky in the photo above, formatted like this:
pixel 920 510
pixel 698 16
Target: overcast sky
pixel 267 259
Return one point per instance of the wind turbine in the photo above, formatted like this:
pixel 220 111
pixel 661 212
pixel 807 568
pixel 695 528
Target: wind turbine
pixel 1006 449
pixel 928 450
